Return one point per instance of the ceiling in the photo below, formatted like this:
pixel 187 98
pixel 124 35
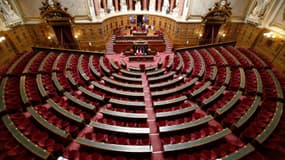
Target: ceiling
pixel 83 11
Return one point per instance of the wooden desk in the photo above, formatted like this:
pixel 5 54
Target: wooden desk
pixel 197 142
pixel 79 102
pixel 114 147
pixel 148 58
pixel 239 154
pixel 92 67
pixel 176 112
pixel 124 114
pixel 169 101
pixel 140 104
pixel 2 94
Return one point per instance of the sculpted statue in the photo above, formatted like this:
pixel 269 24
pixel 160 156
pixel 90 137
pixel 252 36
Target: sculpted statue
pixel 8 14
pixel 260 8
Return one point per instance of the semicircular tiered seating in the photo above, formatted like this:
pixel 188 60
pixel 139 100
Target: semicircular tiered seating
pixel 210 103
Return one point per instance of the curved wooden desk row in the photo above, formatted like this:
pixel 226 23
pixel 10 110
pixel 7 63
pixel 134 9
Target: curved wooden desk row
pixel 241 54
pixel 91 94
pixel 126 103
pixel 2 94
pixel 191 66
pixel 23 93
pixel 64 112
pixel 230 103
pixel 103 66
pixel 226 53
pixel 169 101
pixel 272 125
pixel 117 92
pixel 243 119
pixel 56 82
pixel 155 72
pixel 114 65
pixel 198 142
pixel 92 67
pixel 163 77
pixel 119 129
pixel 44 61
pixel 180 64
pixel 121 84
pixel 81 70
pixel 124 114
pixel 224 61
pixel 79 102
pixel 214 96
pixel 167 83
pixel 41 87
pixel 29 64
pixel 15 64
pixel 203 66
pixel 201 89
pixel 259 81
pixel 114 147
pixel 212 60
pixel 23 140
pixel 176 112
pixel 277 85
pixel 176 89
pixel 55 63
pixel 130 73
pixel 124 78
pixel 170 63
pixel 191 124
pixel 71 78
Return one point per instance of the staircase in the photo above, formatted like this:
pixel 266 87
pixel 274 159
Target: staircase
pixel 168 45
pixel 109 45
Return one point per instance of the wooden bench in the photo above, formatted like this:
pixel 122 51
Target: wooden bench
pixel 35 149
pixel 64 112
pixel 198 142
pixel 119 129
pixel 114 147
pixel 43 122
pixel 182 126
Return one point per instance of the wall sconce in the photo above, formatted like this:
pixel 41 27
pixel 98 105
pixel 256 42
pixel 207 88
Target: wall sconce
pixel 200 35
pixel 49 37
pixel 269 35
pixel 224 35
pixel 76 36
pixel 2 39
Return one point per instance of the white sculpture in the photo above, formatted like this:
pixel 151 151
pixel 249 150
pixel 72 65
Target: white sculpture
pixel 260 8
pixel 7 13
pixel 176 9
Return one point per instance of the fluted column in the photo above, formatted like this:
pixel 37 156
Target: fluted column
pixel 144 5
pixel 159 5
pixel 116 5
pixel 151 5
pixel 105 5
pixel 181 7
pixel 97 8
pixel 130 5
pixel 172 5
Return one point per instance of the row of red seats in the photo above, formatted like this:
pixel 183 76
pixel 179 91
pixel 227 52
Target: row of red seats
pixel 217 58
pixel 31 89
pixel 61 64
pixel 245 63
pixel 49 62
pixel 33 69
pixel 12 94
pixel 228 56
pixel 209 59
pixel 21 65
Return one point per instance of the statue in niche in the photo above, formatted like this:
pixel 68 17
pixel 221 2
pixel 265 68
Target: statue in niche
pixel 176 9
pixel 8 14
pixel 165 7
pixel 260 8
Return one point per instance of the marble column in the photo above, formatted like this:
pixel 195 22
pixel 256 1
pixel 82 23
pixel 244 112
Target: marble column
pixel 123 6
pixel 172 5
pixel 152 5
pixel 97 7
pixel 181 7
pixel 131 5
pixel 165 6
pixel 116 5
pixel 110 6
pixel 144 5
pixel 159 5
pixel 105 5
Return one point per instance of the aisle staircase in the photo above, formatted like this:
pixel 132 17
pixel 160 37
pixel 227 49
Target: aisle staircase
pixel 109 45
pixel 168 45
